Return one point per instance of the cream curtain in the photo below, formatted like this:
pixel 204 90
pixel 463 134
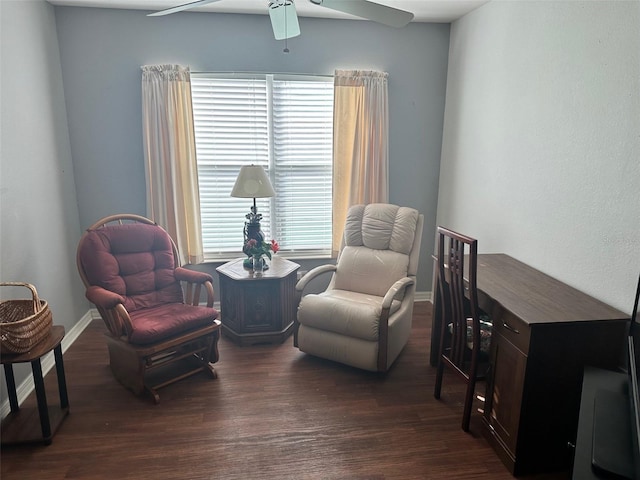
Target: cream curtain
pixel 360 143
pixel 170 157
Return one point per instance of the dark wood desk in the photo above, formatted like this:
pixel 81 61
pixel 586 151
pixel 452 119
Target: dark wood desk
pixel 22 425
pixel 544 334
pixel 258 307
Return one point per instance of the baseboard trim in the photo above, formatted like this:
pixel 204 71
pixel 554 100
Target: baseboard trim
pixel 423 297
pixel 48 362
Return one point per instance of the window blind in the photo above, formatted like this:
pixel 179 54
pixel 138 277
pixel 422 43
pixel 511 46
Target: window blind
pixel 284 124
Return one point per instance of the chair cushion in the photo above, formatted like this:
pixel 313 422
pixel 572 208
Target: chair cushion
pixel 370 272
pixel 347 313
pixel 378 239
pixel 381 226
pixel 132 260
pixel 485 333
pixel 164 321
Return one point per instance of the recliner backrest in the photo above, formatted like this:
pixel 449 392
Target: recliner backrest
pixel 377 246
pixel 136 261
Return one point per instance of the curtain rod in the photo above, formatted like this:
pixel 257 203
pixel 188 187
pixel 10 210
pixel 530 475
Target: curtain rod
pixel 269 73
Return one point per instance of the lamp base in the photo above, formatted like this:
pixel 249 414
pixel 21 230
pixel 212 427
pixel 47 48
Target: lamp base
pixel 251 231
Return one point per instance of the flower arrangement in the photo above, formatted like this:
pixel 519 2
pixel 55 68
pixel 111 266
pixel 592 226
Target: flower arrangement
pixel 257 248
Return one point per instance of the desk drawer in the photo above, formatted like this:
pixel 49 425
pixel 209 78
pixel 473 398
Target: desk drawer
pixel 511 328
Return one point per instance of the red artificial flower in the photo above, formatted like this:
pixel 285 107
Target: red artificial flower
pixel 254 248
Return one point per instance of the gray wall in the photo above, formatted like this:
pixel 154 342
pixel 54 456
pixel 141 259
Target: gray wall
pixel 102 50
pixel 39 226
pixel 541 149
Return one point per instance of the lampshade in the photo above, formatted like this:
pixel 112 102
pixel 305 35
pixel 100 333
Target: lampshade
pixel 252 182
pixel 284 19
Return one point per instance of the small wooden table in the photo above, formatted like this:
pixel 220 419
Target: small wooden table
pixel 258 307
pixel 21 425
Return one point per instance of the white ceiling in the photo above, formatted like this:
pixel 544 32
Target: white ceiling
pixel 441 11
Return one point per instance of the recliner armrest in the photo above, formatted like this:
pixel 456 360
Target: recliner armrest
pixel 103 298
pixel 313 273
pixel 395 290
pixel 193 276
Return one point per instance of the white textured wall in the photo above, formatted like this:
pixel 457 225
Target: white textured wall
pixel 541 144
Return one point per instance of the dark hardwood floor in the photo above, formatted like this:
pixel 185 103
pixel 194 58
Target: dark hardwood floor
pixel 273 413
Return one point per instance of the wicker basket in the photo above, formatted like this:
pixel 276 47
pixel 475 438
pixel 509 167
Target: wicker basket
pixel 23 323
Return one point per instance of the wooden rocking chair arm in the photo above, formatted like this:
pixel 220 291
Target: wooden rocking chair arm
pixel 123 320
pixel 103 298
pixel 195 280
pixel 112 310
pixel 395 290
pixel 193 276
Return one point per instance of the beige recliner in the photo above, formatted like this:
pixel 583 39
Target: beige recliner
pixel 363 318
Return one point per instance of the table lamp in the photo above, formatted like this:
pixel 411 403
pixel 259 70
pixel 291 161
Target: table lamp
pixel 252 182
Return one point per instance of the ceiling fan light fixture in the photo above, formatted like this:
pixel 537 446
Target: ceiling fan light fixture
pixel 284 19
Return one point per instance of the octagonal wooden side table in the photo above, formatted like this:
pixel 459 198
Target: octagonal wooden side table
pixel 257 307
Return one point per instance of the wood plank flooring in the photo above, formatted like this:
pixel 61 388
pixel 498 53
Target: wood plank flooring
pixel 273 413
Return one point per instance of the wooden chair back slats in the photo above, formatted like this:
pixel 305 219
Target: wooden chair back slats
pixel 458 294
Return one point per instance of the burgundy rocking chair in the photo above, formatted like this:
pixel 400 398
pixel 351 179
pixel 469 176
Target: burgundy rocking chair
pixel 131 271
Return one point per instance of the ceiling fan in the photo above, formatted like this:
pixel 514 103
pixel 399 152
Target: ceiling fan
pixel 284 18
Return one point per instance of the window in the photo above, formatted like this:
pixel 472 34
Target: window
pixel 285 124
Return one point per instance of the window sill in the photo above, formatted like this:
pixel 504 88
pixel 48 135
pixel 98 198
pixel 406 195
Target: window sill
pixel 293 256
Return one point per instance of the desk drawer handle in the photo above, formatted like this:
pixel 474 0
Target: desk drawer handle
pixel 510 328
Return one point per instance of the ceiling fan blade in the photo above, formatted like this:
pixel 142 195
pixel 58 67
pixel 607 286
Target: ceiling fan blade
pixel 179 8
pixel 369 10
